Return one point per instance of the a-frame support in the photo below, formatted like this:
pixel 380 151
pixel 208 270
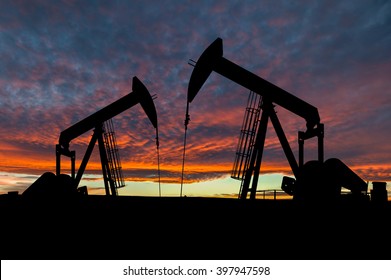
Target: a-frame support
pixel 107 178
pixel 256 157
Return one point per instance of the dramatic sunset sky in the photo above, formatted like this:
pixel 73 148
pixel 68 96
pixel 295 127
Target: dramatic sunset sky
pixel 64 60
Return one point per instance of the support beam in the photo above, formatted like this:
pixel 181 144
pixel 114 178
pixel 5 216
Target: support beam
pixel 71 154
pixel 267 112
pixel 318 131
pixel 104 162
pixel 302 136
pixel 86 157
pixel 259 146
pixel 284 142
pixel 320 142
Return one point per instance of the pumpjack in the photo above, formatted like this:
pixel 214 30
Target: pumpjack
pixel 315 179
pixel 103 133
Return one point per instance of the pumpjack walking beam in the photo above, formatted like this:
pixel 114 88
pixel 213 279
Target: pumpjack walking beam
pixel 95 121
pixel 212 60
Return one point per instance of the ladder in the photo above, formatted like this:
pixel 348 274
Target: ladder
pixel 113 157
pixel 247 137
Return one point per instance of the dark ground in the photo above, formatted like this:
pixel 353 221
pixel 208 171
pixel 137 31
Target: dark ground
pixel 103 227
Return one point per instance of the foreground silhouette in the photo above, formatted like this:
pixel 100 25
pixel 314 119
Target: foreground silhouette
pixel 124 227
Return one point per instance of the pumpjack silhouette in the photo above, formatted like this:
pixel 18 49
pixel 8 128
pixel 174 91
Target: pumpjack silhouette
pixel 315 179
pixel 103 132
